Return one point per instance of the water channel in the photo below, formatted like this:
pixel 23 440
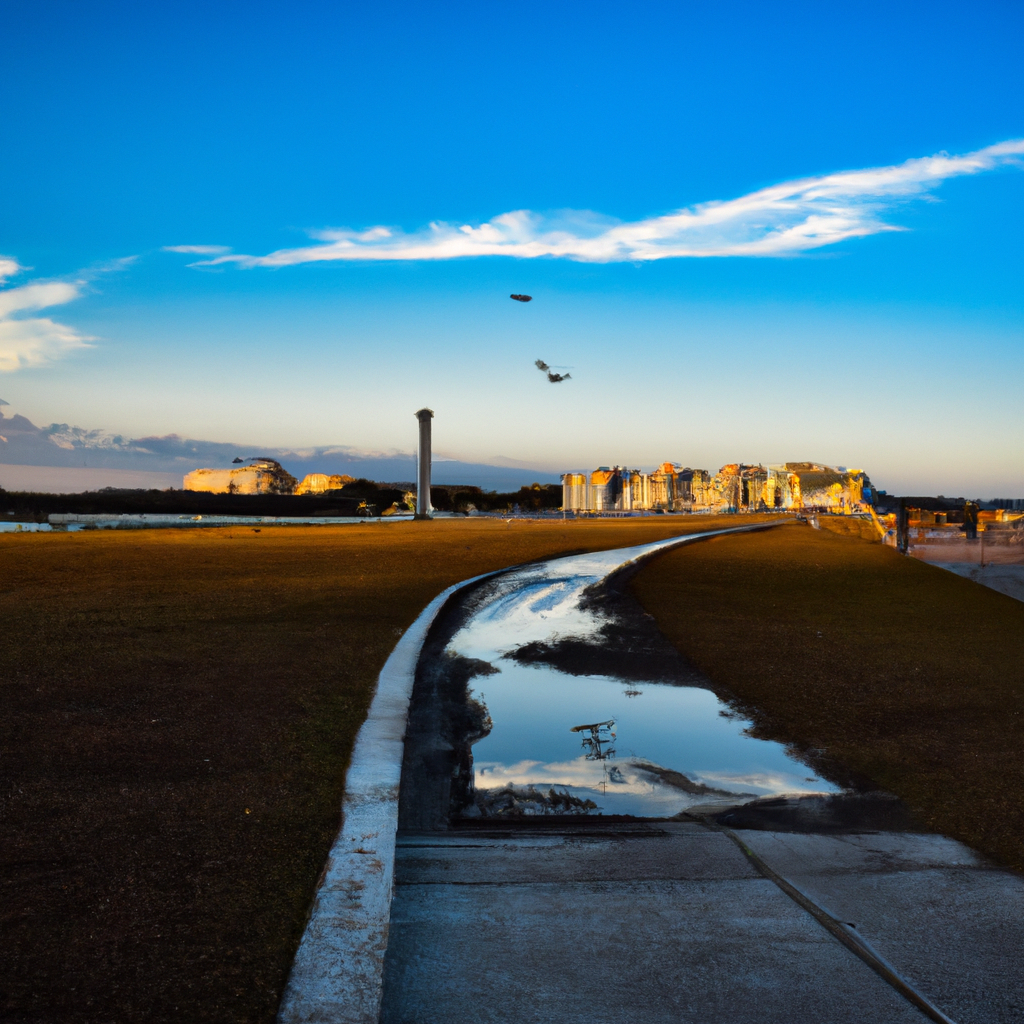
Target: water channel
pixel 591 711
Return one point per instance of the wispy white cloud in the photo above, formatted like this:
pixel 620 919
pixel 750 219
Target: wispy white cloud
pixel 37 296
pixel 108 266
pixel 9 266
pixel 782 220
pixel 199 250
pixel 34 341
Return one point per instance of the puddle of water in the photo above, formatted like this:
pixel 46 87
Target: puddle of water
pixel 655 748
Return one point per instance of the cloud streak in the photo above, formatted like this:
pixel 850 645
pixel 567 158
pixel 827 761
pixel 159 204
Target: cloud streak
pixel 8 268
pixel 782 220
pixel 199 250
pixel 32 340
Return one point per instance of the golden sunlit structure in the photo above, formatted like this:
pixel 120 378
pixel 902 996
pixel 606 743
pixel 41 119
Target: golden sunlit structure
pixel 321 483
pixel 261 476
pixel 734 488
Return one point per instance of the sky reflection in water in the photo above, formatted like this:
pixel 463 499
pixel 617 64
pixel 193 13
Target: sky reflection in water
pixel 535 706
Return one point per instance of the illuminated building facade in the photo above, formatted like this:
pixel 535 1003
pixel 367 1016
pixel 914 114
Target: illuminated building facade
pixel 735 487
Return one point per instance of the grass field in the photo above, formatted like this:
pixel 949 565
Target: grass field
pixel 900 671
pixel 178 711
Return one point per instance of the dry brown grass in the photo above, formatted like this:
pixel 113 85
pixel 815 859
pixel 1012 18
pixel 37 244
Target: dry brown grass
pixel 178 710
pixel 901 671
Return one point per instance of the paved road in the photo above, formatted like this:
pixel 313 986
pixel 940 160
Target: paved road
pixel 1007 579
pixel 658 922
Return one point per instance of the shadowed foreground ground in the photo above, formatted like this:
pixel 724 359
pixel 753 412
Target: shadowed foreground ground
pixel 903 672
pixel 178 711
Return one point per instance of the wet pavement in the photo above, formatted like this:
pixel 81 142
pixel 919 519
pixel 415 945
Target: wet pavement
pixel 669 921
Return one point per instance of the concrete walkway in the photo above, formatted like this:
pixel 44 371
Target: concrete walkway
pixel 336 977
pixel 1007 579
pixel 671 921
pixel 629 923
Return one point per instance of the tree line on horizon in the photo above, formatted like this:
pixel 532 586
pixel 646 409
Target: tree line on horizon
pixel 366 497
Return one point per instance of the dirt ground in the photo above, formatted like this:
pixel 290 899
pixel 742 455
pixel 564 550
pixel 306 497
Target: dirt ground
pixel 903 673
pixel 178 711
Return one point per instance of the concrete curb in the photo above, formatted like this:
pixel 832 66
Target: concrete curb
pixel 337 976
pixel 339 966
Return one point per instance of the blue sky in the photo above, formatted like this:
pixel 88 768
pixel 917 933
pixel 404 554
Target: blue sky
pixel 783 321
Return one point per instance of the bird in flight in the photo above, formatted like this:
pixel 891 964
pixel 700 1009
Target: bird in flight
pixel 522 298
pixel 554 378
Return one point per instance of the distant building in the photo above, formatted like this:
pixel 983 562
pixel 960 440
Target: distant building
pixel 575 491
pixel 261 476
pixel 605 489
pixel 735 487
pixel 838 490
pixel 662 486
pixel 321 483
pixel 678 488
pixel 636 490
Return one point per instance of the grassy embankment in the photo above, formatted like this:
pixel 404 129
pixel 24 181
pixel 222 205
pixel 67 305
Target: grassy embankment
pixel 901 671
pixel 178 711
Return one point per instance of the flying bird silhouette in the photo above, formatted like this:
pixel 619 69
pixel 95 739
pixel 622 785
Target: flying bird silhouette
pixel 554 378
pixel 522 298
